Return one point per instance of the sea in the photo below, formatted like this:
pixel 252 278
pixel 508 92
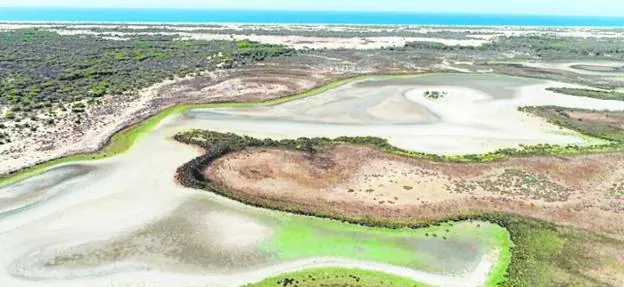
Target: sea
pixel 110 15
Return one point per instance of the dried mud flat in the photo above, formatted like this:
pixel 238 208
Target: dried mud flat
pixel 395 108
pixel 125 220
pixel 356 181
pixel 154 239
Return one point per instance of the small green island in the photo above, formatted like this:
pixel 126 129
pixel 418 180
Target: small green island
pixel 434 95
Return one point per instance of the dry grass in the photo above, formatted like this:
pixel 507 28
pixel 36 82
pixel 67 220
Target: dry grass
pixel 360 181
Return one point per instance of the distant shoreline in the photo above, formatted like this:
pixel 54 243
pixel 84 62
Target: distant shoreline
pixel 189 16
pixel 198 24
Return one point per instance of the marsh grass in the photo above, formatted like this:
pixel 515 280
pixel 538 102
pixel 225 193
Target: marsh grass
pixel 591 93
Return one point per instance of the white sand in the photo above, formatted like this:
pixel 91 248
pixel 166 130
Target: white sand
pixel 233 232
pixel 204 32
pixel 297 42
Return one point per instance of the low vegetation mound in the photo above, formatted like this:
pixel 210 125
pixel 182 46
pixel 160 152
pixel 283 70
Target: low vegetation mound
pixel 597 94
pixel 607 125
pixel 332 277
pixel 434 95
pixel 599 68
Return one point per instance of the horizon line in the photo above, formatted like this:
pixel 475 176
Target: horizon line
pixel 313 11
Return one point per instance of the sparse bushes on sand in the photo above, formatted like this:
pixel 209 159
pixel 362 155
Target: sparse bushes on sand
pixel 38 71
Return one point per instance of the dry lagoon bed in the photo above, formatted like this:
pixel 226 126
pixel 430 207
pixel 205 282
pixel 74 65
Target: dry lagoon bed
pixel 395 109
pixel 124 219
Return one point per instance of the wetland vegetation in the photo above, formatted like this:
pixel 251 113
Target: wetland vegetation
pixel 237 238
pixel 336 277
pixel 606 125
pixel 537 260
pixel 544 254
pixel 596 94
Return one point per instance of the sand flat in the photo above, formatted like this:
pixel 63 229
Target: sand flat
pixel 132 224
pixel 131 221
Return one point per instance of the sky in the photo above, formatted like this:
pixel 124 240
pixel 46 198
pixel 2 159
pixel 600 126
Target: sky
pixel 539 7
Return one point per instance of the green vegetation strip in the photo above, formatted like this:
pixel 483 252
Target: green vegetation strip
pixel 302 237
pixel 543 254
pixel 336 277
pixel 596 94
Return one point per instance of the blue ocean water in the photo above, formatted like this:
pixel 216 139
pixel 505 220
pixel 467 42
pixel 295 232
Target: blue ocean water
pixel 294 17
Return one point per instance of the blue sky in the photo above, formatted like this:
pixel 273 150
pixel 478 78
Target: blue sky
pixel 544 7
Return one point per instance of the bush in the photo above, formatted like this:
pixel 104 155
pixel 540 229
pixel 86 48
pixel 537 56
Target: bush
pixel 9 115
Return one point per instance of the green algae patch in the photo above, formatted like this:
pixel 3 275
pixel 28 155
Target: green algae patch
pixel 428 249
pixel 498 273
pixel 336 277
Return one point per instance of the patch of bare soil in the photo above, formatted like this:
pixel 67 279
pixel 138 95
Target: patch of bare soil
pixel 359 181
pixel 611 118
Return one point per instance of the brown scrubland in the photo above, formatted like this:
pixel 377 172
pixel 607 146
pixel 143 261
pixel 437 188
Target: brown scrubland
pixel 581 191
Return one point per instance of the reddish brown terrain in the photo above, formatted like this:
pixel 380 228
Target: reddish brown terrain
pixel 359 181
